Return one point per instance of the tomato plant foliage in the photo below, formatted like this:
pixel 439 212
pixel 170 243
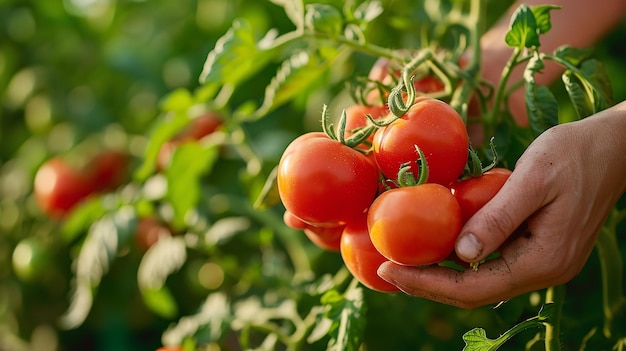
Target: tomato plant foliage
pixel 250 147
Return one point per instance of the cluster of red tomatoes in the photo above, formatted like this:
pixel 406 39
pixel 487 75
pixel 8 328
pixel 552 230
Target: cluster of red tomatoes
pixel 59 187
pixel 400 196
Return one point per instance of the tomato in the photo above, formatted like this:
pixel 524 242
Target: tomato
pixel 325 183
pixel 416 225
pixel 197 129
pixel 437 129
pixel 327 238
pixel 108 170
pixel 58 187
pixel 170 348
pixel 355 118
pixel 361 257
pixel 149 230
pixel 30 260
pixel 293 222
pixel 473 193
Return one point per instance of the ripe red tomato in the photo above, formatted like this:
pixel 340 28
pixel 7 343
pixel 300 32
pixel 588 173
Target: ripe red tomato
pixel 58 187
pixel 148 231
pixel 197 129
pixel 293 222
pixel 473 193
pixel 437 129
pixel 170 348
pixel 325 183
pixel 416 225
pixel 107 170
pixel 355 117
pixel 361 257
pixel 327 238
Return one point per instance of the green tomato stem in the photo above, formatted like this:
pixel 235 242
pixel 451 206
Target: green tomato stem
pixel 612 267
pixel 492 118
pixel 556 296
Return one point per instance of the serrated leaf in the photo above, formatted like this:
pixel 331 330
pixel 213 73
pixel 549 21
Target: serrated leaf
pixel 94 259
pixel 542 17
pixel 523 29
pixel 190 161
pixel 294 76
pixel 163 258
pixel 225 228
pixel 206 326
pixel 576 94
pixel 235 57
pixel 347 313
pixel 294 9
pixel 477 340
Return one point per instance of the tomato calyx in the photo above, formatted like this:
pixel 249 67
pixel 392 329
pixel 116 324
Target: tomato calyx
pixel 359 136
pixel 407 178
pixel 474 167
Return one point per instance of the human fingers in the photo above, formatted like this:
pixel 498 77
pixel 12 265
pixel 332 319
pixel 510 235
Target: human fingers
pixel 528 189
pixel 510 275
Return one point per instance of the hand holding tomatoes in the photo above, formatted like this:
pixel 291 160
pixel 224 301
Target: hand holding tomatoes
pixel 563 187
pixel 332 191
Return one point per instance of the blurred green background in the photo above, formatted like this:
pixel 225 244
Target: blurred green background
pixel 79 74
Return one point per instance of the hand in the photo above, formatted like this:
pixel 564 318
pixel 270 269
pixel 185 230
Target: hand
pixel 562 188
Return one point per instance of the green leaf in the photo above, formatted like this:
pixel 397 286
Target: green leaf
pixel 541 105
pixel 163 258
pixel 163 130
pixel 294 10
pixel 348 321
pixel 82 217
pixel 178 100
pixel 323 18
pixel 523 31
pixel 235 57
pixel 94 259
pixel 206 326
pixel 268 196
pixel 542 17
pixel 294 76
pixel 597 84
pixel 160 301
pixel 368 11
pixel 575 56
pixel 576 94
pixel 190 161
pixel 477 340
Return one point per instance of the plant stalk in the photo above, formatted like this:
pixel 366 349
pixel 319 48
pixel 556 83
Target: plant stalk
pixel 612 268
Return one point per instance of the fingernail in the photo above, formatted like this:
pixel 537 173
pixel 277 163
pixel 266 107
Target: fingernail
pixel 468 247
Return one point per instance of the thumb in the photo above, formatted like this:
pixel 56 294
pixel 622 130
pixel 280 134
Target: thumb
pixel 489 228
